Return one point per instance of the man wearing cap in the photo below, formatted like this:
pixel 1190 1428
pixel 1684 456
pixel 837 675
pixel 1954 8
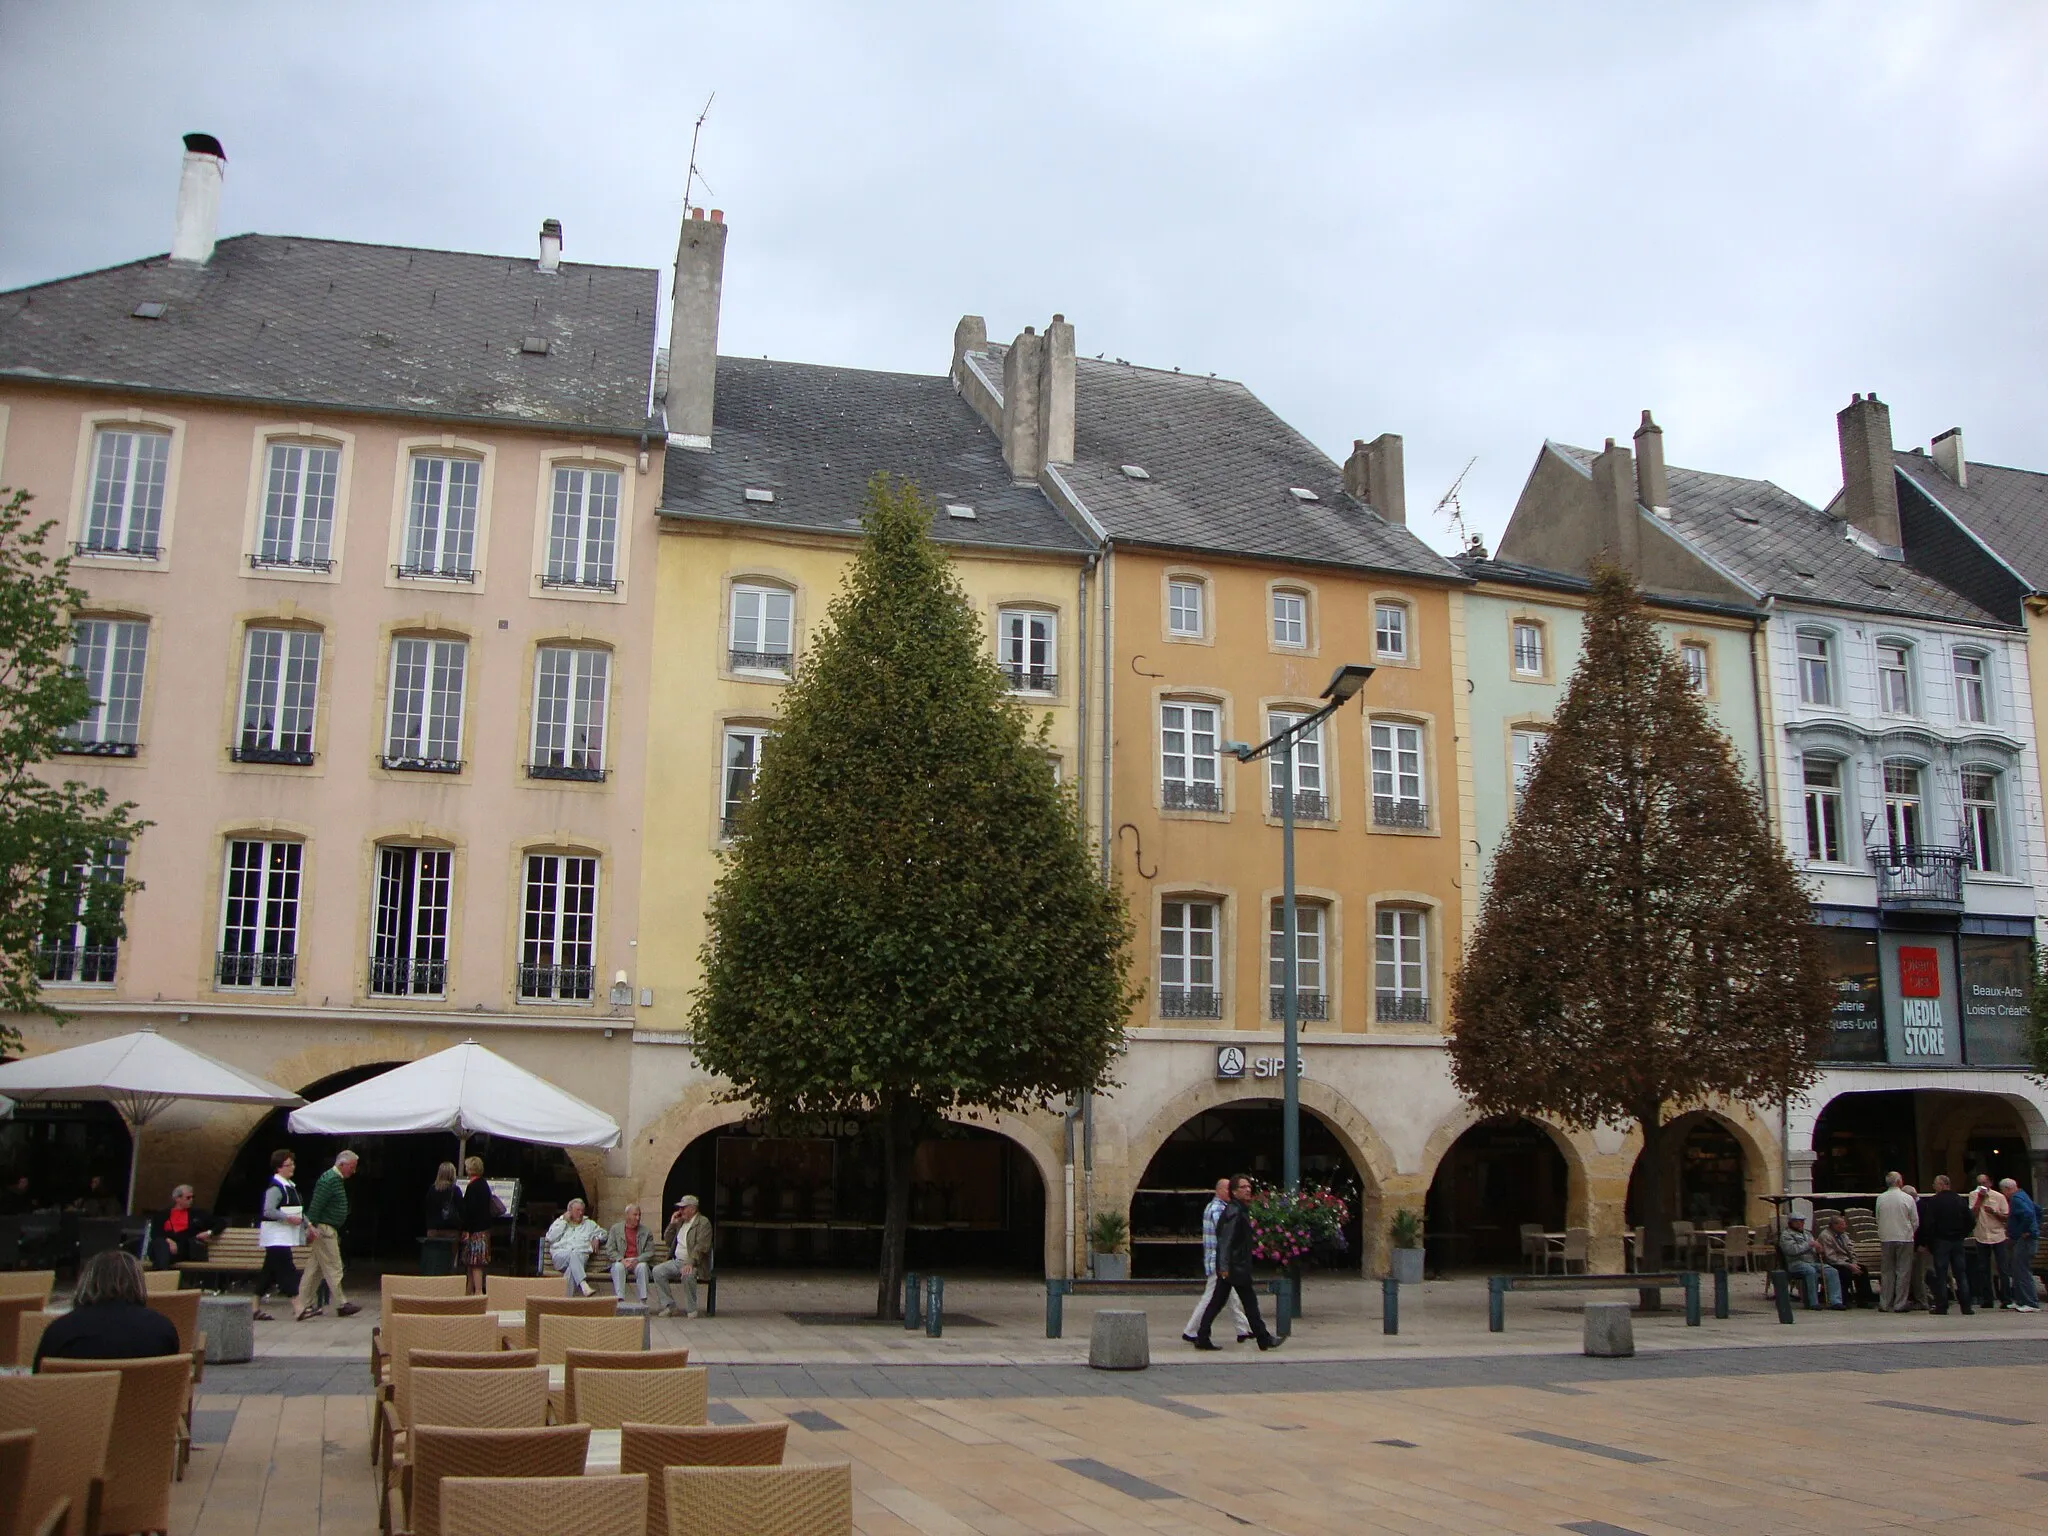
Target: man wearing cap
pixel 1795 1247
pixel 689 1239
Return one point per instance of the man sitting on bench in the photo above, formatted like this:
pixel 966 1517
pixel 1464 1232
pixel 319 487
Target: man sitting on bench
pixel 1834 1249
pixel 1795 1247
pixel 182 1232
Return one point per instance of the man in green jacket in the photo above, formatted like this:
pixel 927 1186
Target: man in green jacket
pixel 326 1215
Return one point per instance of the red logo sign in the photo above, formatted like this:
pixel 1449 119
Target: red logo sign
pixel 1919 971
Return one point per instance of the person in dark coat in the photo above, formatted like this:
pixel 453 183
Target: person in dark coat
pixel 181 1232
pixel 1946 1221
pixel 478 1211
pixel 1234 1268
pixel 110 1317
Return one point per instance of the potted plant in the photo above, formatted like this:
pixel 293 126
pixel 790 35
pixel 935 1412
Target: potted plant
pixel 1405 1230
pixel 1106 1235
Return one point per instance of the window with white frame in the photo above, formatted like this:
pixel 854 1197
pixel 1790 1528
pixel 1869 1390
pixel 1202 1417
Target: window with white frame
pixel 744 745
pixel 1311 803
pixel 109 656
pixel 1904 812
pixel 1025 641
pixel 570 688
pixel 124 510
pixel 1290 618
pixel 1692 656
pixel 280 687
pixel 1983 838
pixel 1894 677
pixel 81 927
pixel 1816 668
pixel 558 936
pixel 1187 960
pixel 441 516
pixel 1312 1000
pixel 1972 697
pixel 1184 608
pixel 1190 774
pixel 409 925
pixel 1397 799
pixel 425 731
pixel 1823 783
pixel 259 925
pixel 1390 631
pixel 1525 745
pixel 583 530
pixel 1400 964
pixel 298 508
pixel 1528 648
pixel 762 627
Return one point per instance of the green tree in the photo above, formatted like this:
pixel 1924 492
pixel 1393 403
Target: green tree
pixel 910 924
pixel 1645 944
pixel 54 835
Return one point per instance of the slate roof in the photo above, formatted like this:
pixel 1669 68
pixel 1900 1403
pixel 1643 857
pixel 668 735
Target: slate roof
pixel 1221 464
pixel 376 328
pixel 814 435
pixel 1513 572
pixel 2006 508
pixel 1793 549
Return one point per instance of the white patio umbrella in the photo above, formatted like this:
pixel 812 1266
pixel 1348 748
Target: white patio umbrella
pixel 141 1075
pixel 462 1090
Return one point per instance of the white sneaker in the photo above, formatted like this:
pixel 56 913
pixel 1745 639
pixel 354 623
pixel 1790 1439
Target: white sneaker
pixel 2026 1309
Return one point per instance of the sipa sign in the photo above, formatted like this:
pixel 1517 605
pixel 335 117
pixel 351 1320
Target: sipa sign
pixel 1234 1064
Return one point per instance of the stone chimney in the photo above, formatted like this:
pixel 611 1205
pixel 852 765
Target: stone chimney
pixel 551 245
pixel 970 335
pixel 1023 377
pixel 1614 499
pixel 693 330
pixel 1870 496
pixel 1375 474
pixel 1653 484
pixel 1948 456
pixel 198 221
pixel 1056 394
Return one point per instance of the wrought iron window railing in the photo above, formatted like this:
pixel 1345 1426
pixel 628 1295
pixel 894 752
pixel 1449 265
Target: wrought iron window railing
pixel 557 983
pixel 1180 795
pixel 1400 1007
pixel 579 583
pixel 1307 1004
pixel 72 746
pixel 1177 1002
pixel 1031 680
pixel 434 572
pixel 242 970
pixel 393 976
pixel 581 773
pixel 249 752
pixel 1909 876
pixel 1390 811
pixel 759 661
pixel 1309 804
pixel 289 563
pixel 92 963
pixel 400 763
pixel 133 551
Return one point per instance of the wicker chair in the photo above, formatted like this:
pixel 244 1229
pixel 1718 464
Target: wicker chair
pixel 1573 1251
pixel 544 1506
pixel 538 1307
pixel 28 1335
pixel 441 1453
pixel 28 1282
pixel 575 1360
pixel 57 1521
pixel 182 1308
pixel 390 1289
pixel 439 1306
pixel 653 1448
pixel 73 1417
pixel 12 1310
pixel 17 1447
pixel 418 1330
pixel 558 1335
pixel 475 1360
pixel 480 1399
pixel 613 1399
pixel 814 1500
pixel 510 1293
pixel 142 1457
pixel 154 1280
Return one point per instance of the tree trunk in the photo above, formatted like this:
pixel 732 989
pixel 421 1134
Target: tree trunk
pixel 900 1122
pixel 1655 1210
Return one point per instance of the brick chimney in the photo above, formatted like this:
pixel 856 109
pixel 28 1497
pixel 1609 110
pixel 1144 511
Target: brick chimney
pixel 1376 475
pixel 1614 495
pixel 198 221
pixel 1056 394
pixel 551 245
pixel 1948 456
pixel 1653 484
pixel 1870 496
pixel 1023 376
pixel 693 330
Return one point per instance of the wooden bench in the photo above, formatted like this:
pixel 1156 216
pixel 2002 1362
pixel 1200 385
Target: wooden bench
pixel 235 1252
pixel 1058 1289
pixel 1648 1284
pixel 600 1275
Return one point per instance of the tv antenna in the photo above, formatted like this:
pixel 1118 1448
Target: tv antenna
pixel 692 180
pixel 1449 506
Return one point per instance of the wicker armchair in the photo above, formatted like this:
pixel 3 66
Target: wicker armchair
pixel 558 1335
pixel 652 1449
pixel 12 1310
pixel 73 1417
pixel 154 1280
pixel 613 1399
pixel 414 1506
pixel 510 1293
pixel 142 1456
pixel 28 1335
pixel 56 1522
pixel 418 1330
pixel 409 1287
pixel 544 1506
pixel 28 1282
pixel 814 1500
pixel 574 1360
pixel 182 1308
pixel 17 1446
pixel 538 1307
pixel 480 1399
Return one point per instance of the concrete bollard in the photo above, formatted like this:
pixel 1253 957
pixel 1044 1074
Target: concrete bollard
pixel 230 1328
pixel 1610 1334
pixel 1118 1341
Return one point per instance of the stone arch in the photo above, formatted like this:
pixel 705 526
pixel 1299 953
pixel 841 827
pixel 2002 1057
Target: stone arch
pixel 1759 1155
pixel 1577 1148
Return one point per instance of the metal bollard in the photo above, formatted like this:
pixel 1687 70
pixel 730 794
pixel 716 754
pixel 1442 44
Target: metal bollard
pixel 1390 1305
pixel 1691 1281
pixel 911 1293
pixel 935 1306
pixel 1721 1294
pixel 1781 1283
pixel 1496 1303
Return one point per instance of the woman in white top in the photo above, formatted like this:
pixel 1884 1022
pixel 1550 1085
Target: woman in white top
pixel 571 1240
pixel 281 1230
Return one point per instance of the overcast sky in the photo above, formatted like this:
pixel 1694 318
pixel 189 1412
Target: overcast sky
pixel 1475 225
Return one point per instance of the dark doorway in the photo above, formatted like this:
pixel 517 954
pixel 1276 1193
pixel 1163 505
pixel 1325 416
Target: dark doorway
pixel 1498 1177
pixel 1703 1177
pixel 60 1145
pixel 1859 1137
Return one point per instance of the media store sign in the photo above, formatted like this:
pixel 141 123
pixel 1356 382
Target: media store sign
pixel 1234 1063
pixel 1920 1001
pixel 1922 1011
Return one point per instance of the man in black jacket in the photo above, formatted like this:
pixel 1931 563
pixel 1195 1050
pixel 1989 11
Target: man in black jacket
pixel 1945 1221
pixel 1234 1268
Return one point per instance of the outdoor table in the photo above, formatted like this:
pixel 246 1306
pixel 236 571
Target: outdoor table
pixel 602 1459
pixel 1553 1245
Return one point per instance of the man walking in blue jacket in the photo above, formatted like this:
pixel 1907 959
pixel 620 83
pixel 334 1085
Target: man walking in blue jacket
pixel 2022 1239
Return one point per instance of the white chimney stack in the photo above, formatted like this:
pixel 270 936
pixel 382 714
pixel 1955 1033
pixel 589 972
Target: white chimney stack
pixel 551 245
pixel 693 330
pixel 1948 456
pixel 199 182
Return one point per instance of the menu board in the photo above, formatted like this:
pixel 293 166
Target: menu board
pixel 1857 1013
pixel 1998 980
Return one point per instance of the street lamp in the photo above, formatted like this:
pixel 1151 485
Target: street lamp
pixel 1345 682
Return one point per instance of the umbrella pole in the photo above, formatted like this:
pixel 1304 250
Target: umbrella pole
pixel 134 1158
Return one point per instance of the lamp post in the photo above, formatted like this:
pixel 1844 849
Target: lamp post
pixel 1345 682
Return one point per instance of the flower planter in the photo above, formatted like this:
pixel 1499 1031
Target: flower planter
pixel 1111 1266
pixel 1408 1266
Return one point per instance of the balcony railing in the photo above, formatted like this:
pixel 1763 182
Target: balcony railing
pixel 290 563
pixel 74 746
pixel 239 970
pixel 434 572
pixel 1309 804
pixel 557 983
pixel 1400 1008
pixel 399 762
pixel 578 584
pixel 136 550
pixel 581 773
pixel 1180 795
pixel 251 752
pixel 1409 815
pixel 1919 879
pixel 1307 1004
pixel 392 976
pixel 1031 680
pixel 92 963
pixel 759 661
pixel 1189 1003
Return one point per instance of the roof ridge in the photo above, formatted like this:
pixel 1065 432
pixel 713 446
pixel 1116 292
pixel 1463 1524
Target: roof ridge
pixel 1921 457
pixel 876 373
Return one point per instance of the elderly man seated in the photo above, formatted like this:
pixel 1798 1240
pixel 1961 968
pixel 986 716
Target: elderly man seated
pixel 1833 1248
pixel 1796 1250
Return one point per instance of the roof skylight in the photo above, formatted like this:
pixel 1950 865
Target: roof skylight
pixel 536 346
pixel 1136 472
pixel 149 309
pixel 756 493
pixel 1302 493
pixel 960 509
pixel 1744 515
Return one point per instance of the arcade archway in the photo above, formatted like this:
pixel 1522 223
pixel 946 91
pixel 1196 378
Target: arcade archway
pixel 1859 1137
pixel 1499 1176
pixel 60 1146
pixel 1706 1174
